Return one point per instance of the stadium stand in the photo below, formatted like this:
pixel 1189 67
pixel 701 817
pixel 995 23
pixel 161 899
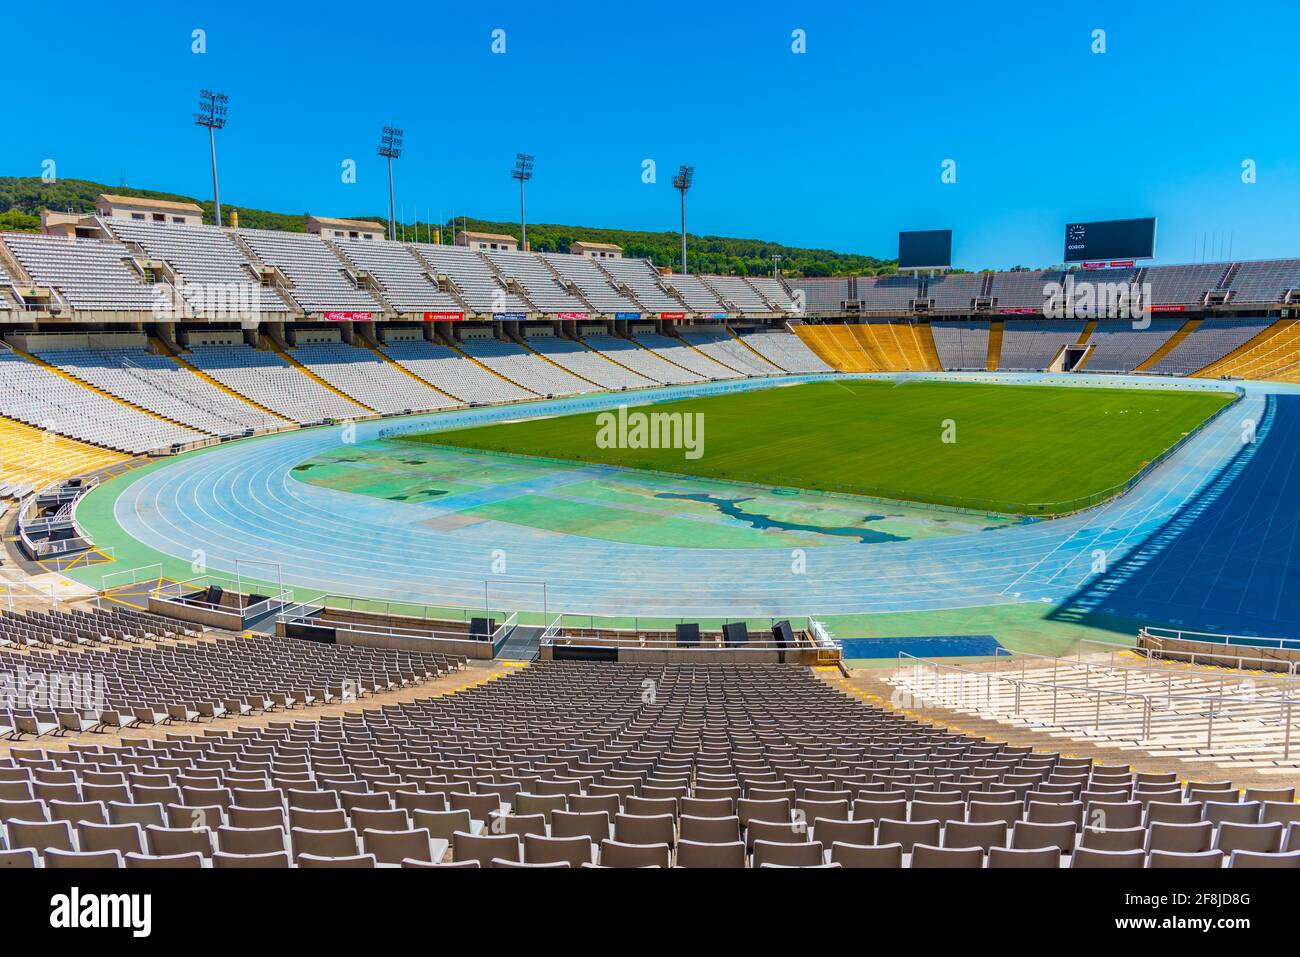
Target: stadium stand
pixel 43 399
pixel 955 292
pixel 722 347
pixel 540 286
pixel 594 285
pixel 269 381
pixel 1032 344
pixel 823 295
pixel 472 277
pixel 526 368
pixel 961 345
pixel 89 274
pixel 321 282
pixel 898 346
pixel 406 283
pixel 1022 290
pixel 588 363
pixel 1213 339
pixel 1119 347
pixel 642 281
pixel 729 765
pixel 203 257
pixel 785 350
pixel 367 378
pixel 632 355
pixel 739 295
pixel 887 293
pixel 681 353
pixel 444 368
pixel 1185 285
pixel 1264 282
pixel 837 346
pixel 773 292
pixel 159 385
pixel 31 460
pixel 1273 354
pixel 692 291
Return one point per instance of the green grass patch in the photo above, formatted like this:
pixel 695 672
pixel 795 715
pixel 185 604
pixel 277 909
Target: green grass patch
pixel 1023 449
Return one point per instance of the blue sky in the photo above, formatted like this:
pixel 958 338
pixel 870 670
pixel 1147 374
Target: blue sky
pixel 837 147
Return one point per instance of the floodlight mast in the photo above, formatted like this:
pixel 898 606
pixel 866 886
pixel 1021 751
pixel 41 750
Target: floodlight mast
pixel 390 147
pixel 681 183
pixel 212 114
pixel 523 172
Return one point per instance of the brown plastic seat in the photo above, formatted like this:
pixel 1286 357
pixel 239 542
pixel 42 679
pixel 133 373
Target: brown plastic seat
pixel 1259 859
pixel 908 833
pixel 1197 859
pixel 1258 838
pixel 618 854
pixel 221 860
pixel 576 851
pixel 805 854
pixel 83 859
pixel 926 856
pixel 1034 857
pixel 729 854
pixel 709 830
pixel 875 855
pixel 1089 857
pixel 484 848
pixel 1114 839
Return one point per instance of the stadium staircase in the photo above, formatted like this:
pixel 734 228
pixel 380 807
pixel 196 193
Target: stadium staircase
pixel 383 356
pixel 1089 328
pixel 1273 354
pixel 836 346
pixel 169 350
pixel 451 344
pixel 1185 330
pixel 608 358
pixel 283 353
pixel 708 357
pixel 32 459
pixel 996 328
pixel 758 354
pixel 522 342
pixel 282 285
pixel 63 374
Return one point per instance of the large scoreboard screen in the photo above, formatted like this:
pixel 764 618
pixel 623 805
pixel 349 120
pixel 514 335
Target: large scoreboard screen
pixel 1111 239
pixel 925 249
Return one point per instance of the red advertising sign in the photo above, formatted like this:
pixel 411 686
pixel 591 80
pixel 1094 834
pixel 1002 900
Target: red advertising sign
pixel 349 316
pixel 572 315
pixel 443 316
pixel 1019 311
pixel 1168 308
pixel 672 315
pixel 1094 265
pixel 1123 263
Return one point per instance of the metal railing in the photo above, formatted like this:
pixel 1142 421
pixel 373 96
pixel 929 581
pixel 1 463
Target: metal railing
pixel 995 693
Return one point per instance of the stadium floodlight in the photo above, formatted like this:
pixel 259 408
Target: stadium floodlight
pixel 682 182
pixel 390 147
pixel 776 264
pixel 523 172
pixel 212 114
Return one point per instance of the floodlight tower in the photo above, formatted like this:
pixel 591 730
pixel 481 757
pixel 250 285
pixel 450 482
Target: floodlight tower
pixel 390 147
pixel 681 183
pixel 776 265
pixel 212 114
pixel 523 172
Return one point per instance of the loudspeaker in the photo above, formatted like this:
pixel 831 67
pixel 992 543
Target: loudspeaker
pixel 782 634
pixel 214 594
pixel 735 633
pixel 688 633
pixel 481 629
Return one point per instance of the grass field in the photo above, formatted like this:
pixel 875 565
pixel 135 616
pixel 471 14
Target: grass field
pixel 1013 448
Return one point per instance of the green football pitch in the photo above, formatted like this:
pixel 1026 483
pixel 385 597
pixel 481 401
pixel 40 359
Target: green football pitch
pixel 1023 449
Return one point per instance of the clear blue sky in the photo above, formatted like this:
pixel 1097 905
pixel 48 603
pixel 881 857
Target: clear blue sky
pixel 839 147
